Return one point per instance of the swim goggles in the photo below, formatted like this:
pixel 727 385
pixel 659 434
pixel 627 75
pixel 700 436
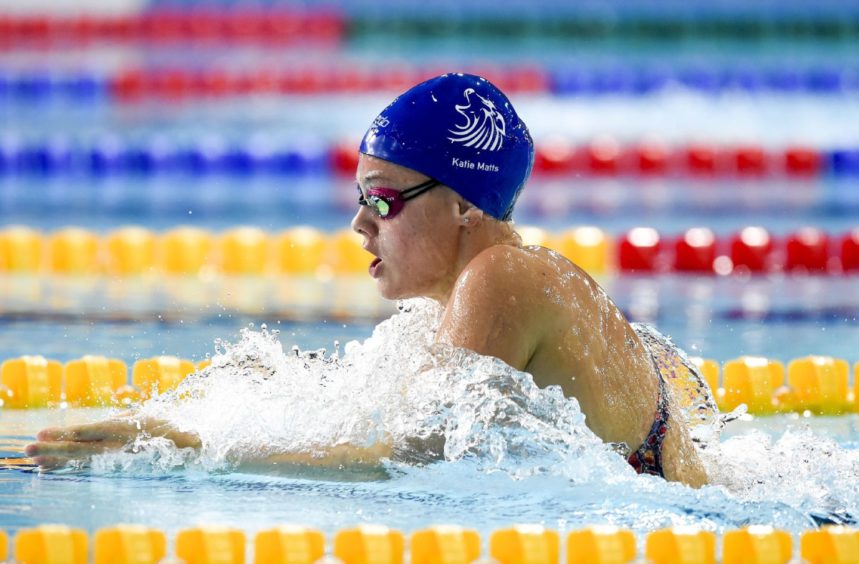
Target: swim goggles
pixel 387 202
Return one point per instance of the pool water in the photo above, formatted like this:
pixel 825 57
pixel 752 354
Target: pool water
pixel 529 460
pixel 406 498
pixel 721 318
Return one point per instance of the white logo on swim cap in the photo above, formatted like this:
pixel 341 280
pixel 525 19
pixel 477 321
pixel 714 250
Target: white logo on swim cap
pixel 484 127
pixel 381 121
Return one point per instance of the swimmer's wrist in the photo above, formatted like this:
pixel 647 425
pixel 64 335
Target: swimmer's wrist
pixel 161 428
pixel 184 439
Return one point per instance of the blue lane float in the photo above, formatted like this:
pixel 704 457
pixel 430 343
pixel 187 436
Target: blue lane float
pixel 111 156
pixel 641 81
pixel 37 87
pixel 844 162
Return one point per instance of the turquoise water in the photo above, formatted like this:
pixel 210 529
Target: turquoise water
pixel 410 498
pixel 720 318
pixel 527 461
pixel 515 453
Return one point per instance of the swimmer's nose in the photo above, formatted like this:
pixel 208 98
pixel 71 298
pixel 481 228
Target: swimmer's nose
pixel 363 223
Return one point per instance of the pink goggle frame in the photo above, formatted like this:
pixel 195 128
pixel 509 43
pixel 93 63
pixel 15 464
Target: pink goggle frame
pixel 387 202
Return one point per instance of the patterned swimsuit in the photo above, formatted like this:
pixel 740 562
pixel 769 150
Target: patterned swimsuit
pixel 648 458
pixel 679 382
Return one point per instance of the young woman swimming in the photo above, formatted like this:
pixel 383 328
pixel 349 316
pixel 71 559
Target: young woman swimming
pixel 439 173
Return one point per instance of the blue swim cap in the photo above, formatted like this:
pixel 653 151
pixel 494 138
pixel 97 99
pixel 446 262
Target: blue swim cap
pixel 462 131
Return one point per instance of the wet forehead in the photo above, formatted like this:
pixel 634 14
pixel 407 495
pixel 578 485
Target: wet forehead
pixel 376 173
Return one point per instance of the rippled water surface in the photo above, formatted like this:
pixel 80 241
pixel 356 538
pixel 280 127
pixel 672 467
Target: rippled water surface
pixel 512 453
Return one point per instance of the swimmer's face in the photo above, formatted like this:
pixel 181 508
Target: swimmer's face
pixel 416 250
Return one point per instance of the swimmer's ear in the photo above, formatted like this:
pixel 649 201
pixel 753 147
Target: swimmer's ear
pixel 469 214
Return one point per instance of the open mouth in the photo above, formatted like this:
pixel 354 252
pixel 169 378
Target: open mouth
pixel 374 266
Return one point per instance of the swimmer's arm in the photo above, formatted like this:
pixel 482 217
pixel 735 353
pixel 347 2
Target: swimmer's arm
pixel 58 446
pixel 491 310
pixel 335 457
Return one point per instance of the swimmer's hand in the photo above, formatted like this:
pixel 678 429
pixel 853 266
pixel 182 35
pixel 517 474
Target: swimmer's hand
pixel 57 447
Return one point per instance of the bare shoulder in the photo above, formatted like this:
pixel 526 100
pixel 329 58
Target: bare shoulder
pixel 535 274
pixel 525 269
pixel 498 305
pixel 492 282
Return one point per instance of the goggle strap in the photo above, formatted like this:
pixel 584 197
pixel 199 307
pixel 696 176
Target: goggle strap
pixel 416 191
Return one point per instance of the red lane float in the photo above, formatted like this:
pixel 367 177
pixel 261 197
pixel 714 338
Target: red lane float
pixel 850 251
pixel 750 251
pixel 134 84
pixel 605 157
pixel 344 158
pixel 277 26
pixel 750 161
pixel 556 157
pixel 695 251
pixel 807 251
pixel 702 160
pixel 650 159
pixel 641 250
pixel 802 161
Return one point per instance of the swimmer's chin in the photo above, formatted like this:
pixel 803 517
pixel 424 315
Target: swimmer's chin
pixel 391 293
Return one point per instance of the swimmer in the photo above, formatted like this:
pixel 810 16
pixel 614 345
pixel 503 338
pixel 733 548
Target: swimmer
pixel 439 173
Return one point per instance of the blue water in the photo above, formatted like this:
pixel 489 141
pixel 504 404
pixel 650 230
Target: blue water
pixel 404 498
pixel 462 492
pixel 707 317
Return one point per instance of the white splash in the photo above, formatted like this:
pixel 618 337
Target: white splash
pixel 800 468
pixel 256 399
pixel 397 386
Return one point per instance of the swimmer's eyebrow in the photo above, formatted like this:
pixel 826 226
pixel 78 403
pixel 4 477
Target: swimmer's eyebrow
pixel 372 175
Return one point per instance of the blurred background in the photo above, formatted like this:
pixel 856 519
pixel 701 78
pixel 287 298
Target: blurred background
pixel 171 171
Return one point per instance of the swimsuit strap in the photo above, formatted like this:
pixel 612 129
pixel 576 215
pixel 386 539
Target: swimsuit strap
pixel 648 458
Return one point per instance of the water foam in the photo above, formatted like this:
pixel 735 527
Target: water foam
pixel 436 402
pixel 429 401
pixel 803 469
